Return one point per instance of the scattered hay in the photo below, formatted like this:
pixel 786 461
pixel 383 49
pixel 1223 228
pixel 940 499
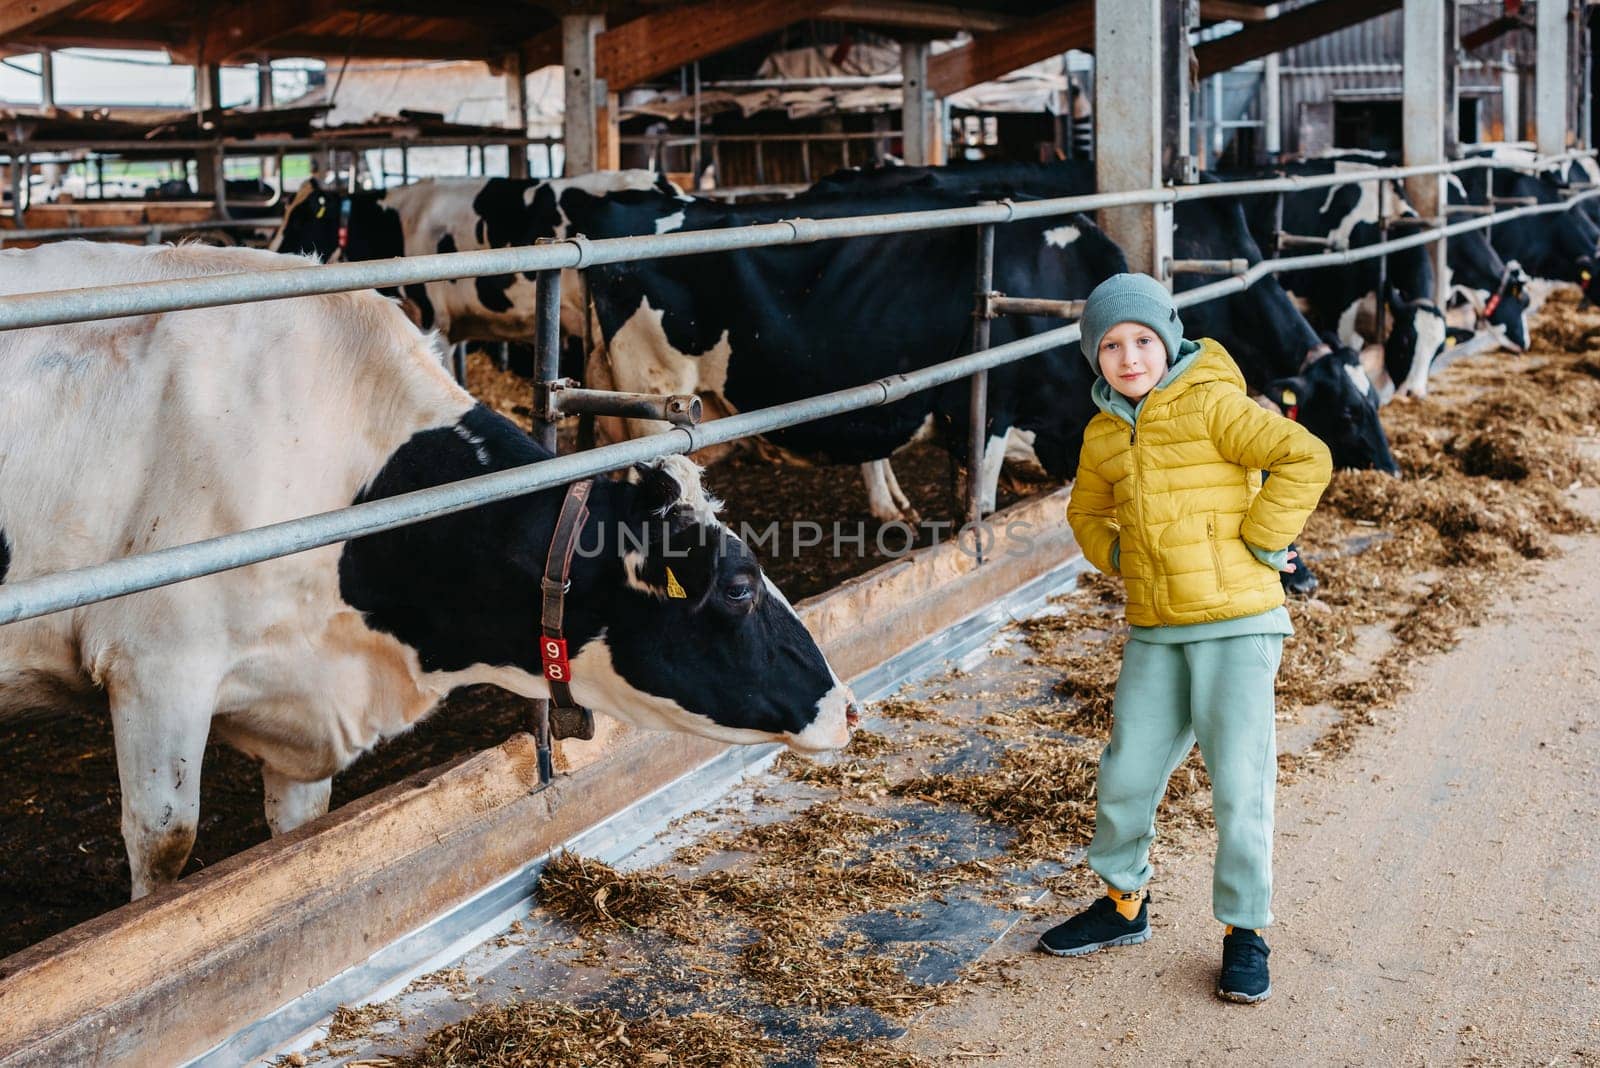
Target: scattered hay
pixel 824 828
pixel 796 965
pixel 503 391
pixel 352 1024
pixel 868 744
pixel 905 708
pixel 552 1035
pixel 1044 791
pixel 854 777
pixel 593 896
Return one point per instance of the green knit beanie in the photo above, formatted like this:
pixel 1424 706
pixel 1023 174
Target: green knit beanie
pixel 1129 298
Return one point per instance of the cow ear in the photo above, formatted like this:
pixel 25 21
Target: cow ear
pixel 1289 393
pixel 659 492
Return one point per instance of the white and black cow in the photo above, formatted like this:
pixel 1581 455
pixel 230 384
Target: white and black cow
pixel 1261 328
pixel 760 327
pixel 1557 247
pixel 454 215
pixel 1342 297
pixel 134 434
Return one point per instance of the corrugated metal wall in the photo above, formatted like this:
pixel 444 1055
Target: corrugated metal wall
pixel 1363 63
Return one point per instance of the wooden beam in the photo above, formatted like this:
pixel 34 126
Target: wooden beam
pixel 247 25
pixel 1231 11
pixel 992 55
pixel 19 16
pixel 299 44
pixel 912 15
pixel 663 41
pixel 76 33
pixel 1287 30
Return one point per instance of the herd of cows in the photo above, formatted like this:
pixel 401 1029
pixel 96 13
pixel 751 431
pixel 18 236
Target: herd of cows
pixel 125 436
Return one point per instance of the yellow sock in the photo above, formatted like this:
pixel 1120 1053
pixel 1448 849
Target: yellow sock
pixel 1127 901
pixel 1229 930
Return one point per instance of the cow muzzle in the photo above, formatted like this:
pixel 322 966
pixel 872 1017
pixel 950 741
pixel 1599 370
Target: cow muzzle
pixel 837 714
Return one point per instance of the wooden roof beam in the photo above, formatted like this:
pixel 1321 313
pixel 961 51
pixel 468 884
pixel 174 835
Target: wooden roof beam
pixel 991 55
pixel 662 41
pixel 1232 11
pixel 17 17
pixel 245 26
pixel 914 15
pixel 301 44
pixel 1287 30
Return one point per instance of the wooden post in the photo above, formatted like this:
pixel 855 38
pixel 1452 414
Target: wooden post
pixel 47 81
pixel 516 114
pixel 582 119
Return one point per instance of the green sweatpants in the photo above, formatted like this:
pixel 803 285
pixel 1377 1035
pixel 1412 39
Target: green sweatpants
pixel 1219 691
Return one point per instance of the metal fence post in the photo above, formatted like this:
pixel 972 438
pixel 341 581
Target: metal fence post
pixel 978 397
pixel 1381 302
pixel 546 369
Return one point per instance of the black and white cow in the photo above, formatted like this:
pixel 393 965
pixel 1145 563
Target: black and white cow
pixel 1260 327
pixel 759 327
pixel 134 434
pixel 454 215
pixel 1557 247
pixel 1343 298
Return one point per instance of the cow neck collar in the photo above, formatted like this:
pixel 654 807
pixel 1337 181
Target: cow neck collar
pixel 566 717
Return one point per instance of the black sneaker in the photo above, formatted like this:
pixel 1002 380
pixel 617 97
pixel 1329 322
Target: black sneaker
pixel 1244 968
pixel 1096 927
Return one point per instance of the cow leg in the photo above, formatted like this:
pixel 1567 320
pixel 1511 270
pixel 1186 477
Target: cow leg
pixel 880 499
pixel 290 803
pixel 899 495
pixel 994 458
pixel 159 749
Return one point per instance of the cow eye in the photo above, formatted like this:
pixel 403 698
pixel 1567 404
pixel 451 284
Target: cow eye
pixel 740 592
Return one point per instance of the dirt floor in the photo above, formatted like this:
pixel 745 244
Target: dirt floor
pixel 1434 888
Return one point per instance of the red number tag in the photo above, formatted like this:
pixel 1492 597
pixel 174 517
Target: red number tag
pixel 554 653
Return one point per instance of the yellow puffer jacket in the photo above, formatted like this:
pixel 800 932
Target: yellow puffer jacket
pixel 1174 489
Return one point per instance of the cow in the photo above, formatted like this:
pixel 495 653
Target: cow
pixel 137 434
pixel 759 327
pixel 1553 248
pixel 1338 298
pixel 1260 327
pixel 454 215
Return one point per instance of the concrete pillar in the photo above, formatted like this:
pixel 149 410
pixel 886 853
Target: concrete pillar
pixel 585 94
pixel 516 114
pixel 917 107
pixel 1510 98
pixel 264 99
pixel 1551 76
pixel 1423 114
pixel 1128 119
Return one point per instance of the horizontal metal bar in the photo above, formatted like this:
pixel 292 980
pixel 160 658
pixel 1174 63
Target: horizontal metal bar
pixel 1305 241
pixel 39 596
pixel 142 298
pixel 263 147
pixel 42 595
pixel 1512 201
pixel 678 409
pixel 1000 304
pixel 50 233
pixel 1234 266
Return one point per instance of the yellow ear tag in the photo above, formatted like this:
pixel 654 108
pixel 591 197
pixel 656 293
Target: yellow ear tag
pixel 1289 397
pixel 674 588
pixel 1449 342
pixel 322 210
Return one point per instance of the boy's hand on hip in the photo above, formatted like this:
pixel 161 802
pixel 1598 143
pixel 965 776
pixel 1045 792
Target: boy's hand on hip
pixel 1289 566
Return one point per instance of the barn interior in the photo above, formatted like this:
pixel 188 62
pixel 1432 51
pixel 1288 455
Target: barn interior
pixel 732 99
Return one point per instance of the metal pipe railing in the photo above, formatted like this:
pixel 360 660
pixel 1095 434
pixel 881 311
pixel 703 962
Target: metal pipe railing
pixel 151 231
pixel 144 298
pixel 44 594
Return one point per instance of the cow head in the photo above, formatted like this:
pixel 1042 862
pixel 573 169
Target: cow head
pixel 693 637
pixel 1415 340
pixel 1333 398
pixel 336 225
pixel 1507 309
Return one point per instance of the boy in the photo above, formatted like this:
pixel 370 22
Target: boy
pixel 1169 494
